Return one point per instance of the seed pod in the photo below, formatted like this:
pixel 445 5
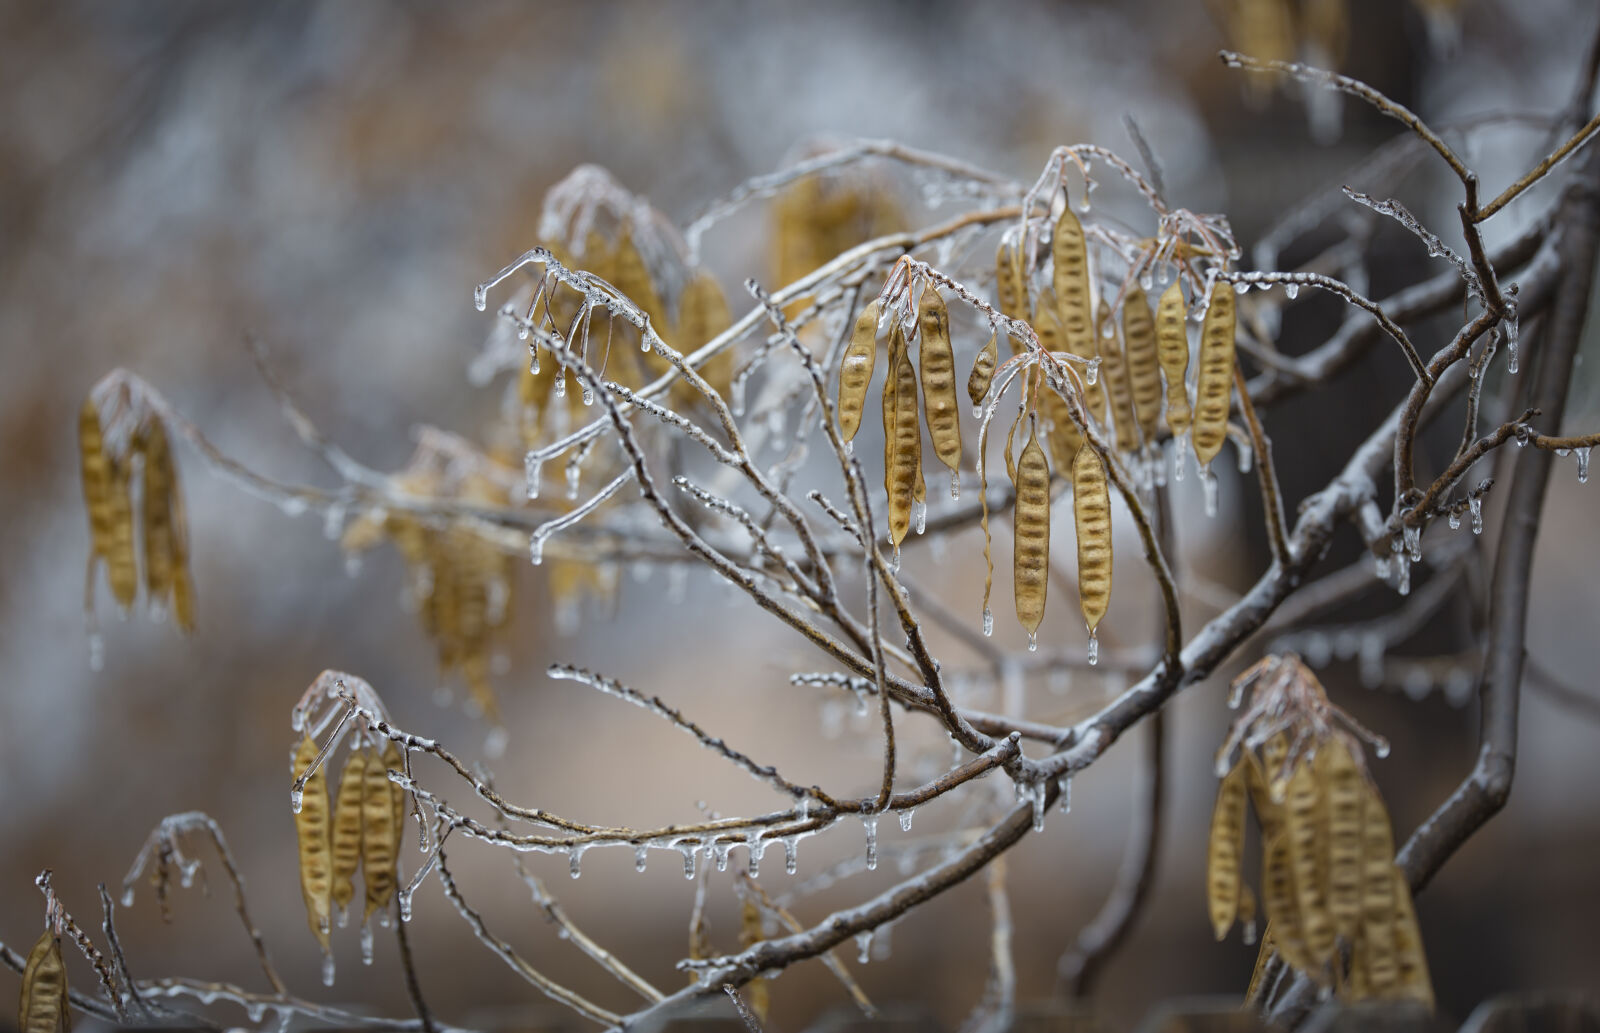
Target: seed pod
pixel 1144 370
pixel 378 834
pixel 1031 541
pixel 99 484
pixel 1114 373
pixel 1268 783
pixel 121 565
pixel 1412 962
pixel 1064 436
pixel 855 371
pixel 904 469
pixel 1269 947
pixel 1091 510
pixel 347 821
pixel 1305 817
pixel 702 315
pixel 1214 383
pixel 1278 894
pixel 1378 891
pixel 1011 292
pixel 311 829
pixel 1070 278
pixel 1337 769
pixel 1011 462
pixel 983 370
pixel 938 363
pixel 1172 348
pixel 1224 850
pixel 43 1007
pixel 394 760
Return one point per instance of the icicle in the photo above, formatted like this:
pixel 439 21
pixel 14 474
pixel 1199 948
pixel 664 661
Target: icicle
pixel 719 853
pixel 574 479
pixel 1247 456
pixel 1180 452
pixel 1208 480
pixel 480 301
pixel 1380 567
pixel 1291 290
pixel 894 561
pixel 1038 794
pixel 1250 933
pixel 687 848
pixel 864 947
pixel 1475 506
pixel 1033 641
pixel 791 859
pixel 736 402
pixel 127 896
pixel 1511 343
pixel 97 652
pixel 532 473
pixel 1091 372
pixel 849 448
pixel 905 819
pixel 955 485
pixel 333 521
pixel 988 622
pixel 366 943
pixel 575 861
pixel 1413 542
pixel 756 847
pixel 1583 464
pixel 919 516
pixel 639 853
pixel 255 1011
pixel 870 823
pixel 294 798
pixel 1094 649
pixel 327 969
pixel 1241 287
pixel 536 547
pixel 1064 799
pixel 1403 562
pixel 561 383
pixel 1455 520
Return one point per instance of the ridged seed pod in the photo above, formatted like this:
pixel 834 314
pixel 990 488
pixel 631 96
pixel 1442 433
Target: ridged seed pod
pixel 379 846
pixel 1213 387
pixel 1144 368
pixel 1119 391
pixel 1031 541
pixel 1091 510
pixel 904 469
pixel 1070 279
pixel 1172 349
pixel 982 374
pixel 43 1006
pixel 855 371
pixel 1305 818
pixel 347 821
pixel 937 359
pixel 1224 850
pixel 311 830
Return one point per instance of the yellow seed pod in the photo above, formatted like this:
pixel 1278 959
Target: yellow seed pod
pixel 855 371
pixel 1214 382
pixel 379 845
pixel 1144 368
pixel 1011 292
pixel 1305 820
pixel 121 564
pixel 1119 391
pixel 1224 850
pixel 632 277
pixel 99 485
pixel 982 374
pixel 1011 461
pixel 1063 435
pixel 1091 510
pixel 311 829
pixel 1342 780
pixel 903 473
pixel 347 821
pixel 938 364
pixel 43 1007
pixel 1031 540
pixel 1378 891
pixel 1070 279
pixel 1282 904
pixel 1172 349
pixel 1412 962
pixel 702 315
pixel 1247 906
pixel 394 760
pixel 1269 947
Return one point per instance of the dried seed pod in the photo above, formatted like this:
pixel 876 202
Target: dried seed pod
pixel 1269 947
pixel 1378 892
pixel 99 485
pixel 1214 383
pixel 903 472
pixel 855 371
pixel 1343 783
pixel 1305 819
pixel 1070 279
pixel 121 566
pixel 43 1007
pixel 1224 850
pixel 1011 291
pixel 702 315
pixel 982 374
pixel 394 760
pixel 379 838
pixel 1091 510
pixel 1172 349
pixel 347 822
pixel 1144 369
pixel 1031 541
pixel 1414 981
pixel 1114 373
pixel 1279 896
pixel 1064 436
pixel 938 364
pixel 311 829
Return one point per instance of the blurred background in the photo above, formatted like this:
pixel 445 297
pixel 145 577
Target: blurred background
pixel 334 178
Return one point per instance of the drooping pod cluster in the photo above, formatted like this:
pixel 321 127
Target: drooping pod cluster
pixel 121 434
pixel 1338 908
pixel 43 1005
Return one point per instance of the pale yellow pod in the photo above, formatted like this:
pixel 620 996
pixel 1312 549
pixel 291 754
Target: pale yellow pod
pixel 311 828
pixel 1282 903
pixel 703 314
pixel 98 483
pixel 1011 293
pixel 1378 908
pixel 939 403
pixel 394 760
pixel 1144 368
pixel 1119 391
pixel 1269 947
pixel 1011 461
pixel 1172 349
pixel 855 371
pixel 1305 820
pixel 1412 961
pixel 1031 540
pixel 121 563
pixel 1070 278
pixel 1064 436
pixel 159 487
pixel 43 1006
pixel 1213 386
pixel 982 374
pixel 904 471
pixel 379 838
pixel 1343 783
pixel 1224 850
pixel 347 821
pixel 1091 510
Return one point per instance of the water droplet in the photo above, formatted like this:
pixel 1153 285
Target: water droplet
pixel 687 849
pixel 532 474
pixel 864 947
pixel 327 970
pixel 639 853
pixel 988 622
pixel 1583 464
pixel 575 861
pixel 366 943
pixel 955 485
pixel 536 548
pixel 791 860
pixel 1208 481
pixel 1475 507
pixel 1033 641
pixel 1094 648
pixel 870 824
pixel 1291 290
pixel 905 819
pixel 1381 748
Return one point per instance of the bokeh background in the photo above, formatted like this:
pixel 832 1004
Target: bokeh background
pixel 334 178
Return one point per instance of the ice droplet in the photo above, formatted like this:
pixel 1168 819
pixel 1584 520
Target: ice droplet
pixel 536 548
pixel 850 448
pixel 719 853
pixel 736 402
pixel 1583 464
pixel 988 622
pixel 1064 800
pixel 1381 748
pixel 574 479
pixel 791 860
pixel 639 853
pixel 575 861
pixel 127 896
pixel 687 849
pixel 1247 456
pixel 756 847
pixel 1403 562
pixel 294 799
pixel 1208 481
pixel 532 473
pixel 1475 507
pixel 870 823
pixel 1033 641
pixel 327 969
pixel 1094 649
pixel 1038 794
pixel 919 516
pixel 1147 280
pixel 1291 290
pixel 560 387
pixel 905 819
pixel 1455 520
pixel 955 485
pixel 1511 344
pixel 864 947
pixel 1091 372
pixel 1241 287
pixel 97 652
pixel 366 943
pixel 480 301
pixel 1413 543
pixel 1180 453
